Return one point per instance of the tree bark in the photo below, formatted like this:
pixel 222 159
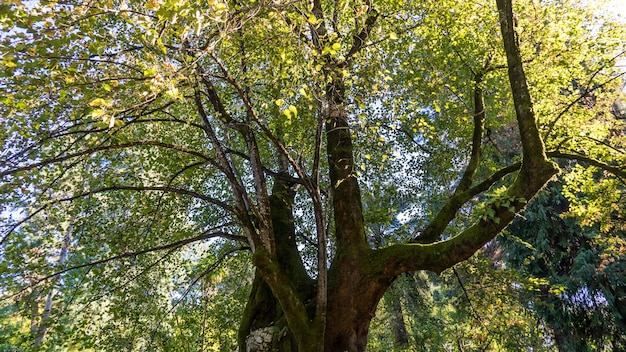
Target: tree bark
pixel 359 276
pixel 263 310
pixel 396 318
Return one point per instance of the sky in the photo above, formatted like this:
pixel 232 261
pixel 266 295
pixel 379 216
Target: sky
pixel 619 7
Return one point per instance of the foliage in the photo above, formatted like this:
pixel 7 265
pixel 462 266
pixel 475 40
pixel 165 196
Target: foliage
pixel 579 272
pixel 475 306
pixel 155 152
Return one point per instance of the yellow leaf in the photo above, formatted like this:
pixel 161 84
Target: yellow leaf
pixel 97 113
pixel 100 102
pixel 279 102
pixel 152 4
pixel 361 10
pixel 220 7
pixel 8 64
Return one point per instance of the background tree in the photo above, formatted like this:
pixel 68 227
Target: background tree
pixel 477 306
pixel 183 133
pixel 579 271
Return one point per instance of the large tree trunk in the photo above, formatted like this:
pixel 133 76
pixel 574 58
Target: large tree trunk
pixel 355 288
pixel 264 328
pixel 263 324
pixel 352 301
pixel 353 296
pixel 359 276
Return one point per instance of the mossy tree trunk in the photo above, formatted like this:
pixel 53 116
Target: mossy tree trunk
pixel 285 300
pixel 182 104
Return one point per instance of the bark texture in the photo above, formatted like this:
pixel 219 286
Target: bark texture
pixel 282 305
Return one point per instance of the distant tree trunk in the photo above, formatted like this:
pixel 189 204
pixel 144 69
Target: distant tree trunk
pixel 44 322
pixel 566 342
pixel 34 311
pixel 396 318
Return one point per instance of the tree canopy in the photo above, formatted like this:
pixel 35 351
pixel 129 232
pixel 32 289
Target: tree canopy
pixel 299 155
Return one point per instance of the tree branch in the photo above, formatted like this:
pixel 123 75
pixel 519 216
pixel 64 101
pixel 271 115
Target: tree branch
pixel 535 171
pixel 174 245
pixel 158 189
pixel 243 201
pixel 358 40
pixel 105 148
pixel 616 170
pixel 448 212
pixel 434 229
pixel 262 210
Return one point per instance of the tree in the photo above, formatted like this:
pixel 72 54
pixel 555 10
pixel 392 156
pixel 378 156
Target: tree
pixel 579 273
pixel 475 306
pixel 172 127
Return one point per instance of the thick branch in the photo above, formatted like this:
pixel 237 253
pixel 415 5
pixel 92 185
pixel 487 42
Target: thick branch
pixel 243 201
pixel 615 170
pixel 461 195
pixel 535 171
pixel 262 210
pixel 285 292
pixel 532 145
pixel 318 31
pixel 254 156
pixel 441 255
pixel 477 136
pixel 346 195
pixel 276 174
pixel 448 212
pixel 458 200
pixel 358 40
